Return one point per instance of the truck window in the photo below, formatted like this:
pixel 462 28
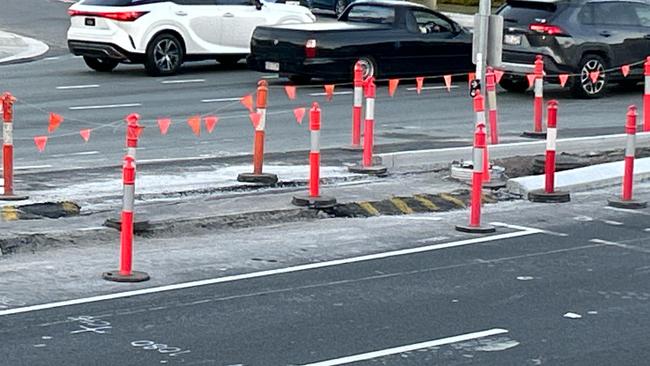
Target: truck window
pixel 372 14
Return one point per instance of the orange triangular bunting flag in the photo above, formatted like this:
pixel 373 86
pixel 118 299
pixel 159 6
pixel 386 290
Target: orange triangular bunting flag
pixel 470 77
pixel 255 119
pixel 594 76
pixel 247 101
pixel 498 74
pixel 55 121
pixel 85 134
pixel 299 113
pixel 563 79
pixel 448 82
pixel 291 91
pixel 40 142
pixel 531 80
pixel 210 123
pixel 163 125
pixel 392 86
pixel 419 82
pixel 329 91
pixel 138 131
pixel 195 125
pixel 625 69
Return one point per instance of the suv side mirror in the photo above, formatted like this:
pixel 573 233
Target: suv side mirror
pixel 258 4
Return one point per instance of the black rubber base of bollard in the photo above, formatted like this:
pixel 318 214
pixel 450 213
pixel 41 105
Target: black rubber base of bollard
pixel 314 202
pixel 629 204
pixel 13 197
pixel 494 184
pixel 138 226
pixel 370 170
pixel 261 179
pixel 542 196
pixel 135 276
pixel 352 148
pixel 483 229
pixel 534 135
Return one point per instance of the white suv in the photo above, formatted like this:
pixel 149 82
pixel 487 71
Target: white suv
pixel 162 34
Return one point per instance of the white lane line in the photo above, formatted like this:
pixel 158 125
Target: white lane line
pixel 272 272
pixel 606 242
pixel 620 245
pixel 220 100
pixel 335 93
pixel 32 167
pixel 80 108
pixel 409 348
pixel 627 210
pixel 68 87
pixel 82 153
pixel 51 58
pixel 519 227
pixel 433 88
pixel 612 222
pixel 186 81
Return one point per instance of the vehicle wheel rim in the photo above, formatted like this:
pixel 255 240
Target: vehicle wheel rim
pixel 590 87
pixel 340 6
pixel 367 67
pixel 166 55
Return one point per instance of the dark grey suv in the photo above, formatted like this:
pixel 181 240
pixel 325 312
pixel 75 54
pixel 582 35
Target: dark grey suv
pixel 577 38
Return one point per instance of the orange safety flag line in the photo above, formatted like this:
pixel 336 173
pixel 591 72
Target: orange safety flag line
pixel 195 124
pixel 163 125
pixel 392 86
pixel 563 79
pixel 255 118
pixel 625 69
pixel 299 113
pixel 448 82
pixel 85 134
pixel 329 91
pixel 55 122
pixel 210 122
pixel 419 82
pixel 531 80
pixel 247 101
pixel 291 91
pixel 498 74
pixel 40 142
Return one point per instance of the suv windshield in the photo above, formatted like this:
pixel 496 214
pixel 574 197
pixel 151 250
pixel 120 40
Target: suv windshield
pixel 372 14
pixel 527 12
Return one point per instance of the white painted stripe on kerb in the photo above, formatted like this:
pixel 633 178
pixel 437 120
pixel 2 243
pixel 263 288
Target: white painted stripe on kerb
pixel 187 81
pixel 409 348
pixel 67 87
pixel 271 272
pixel 107 106
pixel 335 93
pixel 217 100
pixel 433 88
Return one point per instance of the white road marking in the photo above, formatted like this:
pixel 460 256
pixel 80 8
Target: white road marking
pixel 335 93
pixel 518 227
pixel 220 100
pixel 68 87
pixel 601 241
pixel 409 348
pixel 627 210
pixel 32 167
pixel 51 58
pixel 620 245
pixel 433 88
pixel 424 218
pixel 186 81
pixel 80 108
pixel 611 222
pixel 82 153
pixel 266 273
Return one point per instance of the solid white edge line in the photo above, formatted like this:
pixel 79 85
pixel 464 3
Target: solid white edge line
pixel 409 348
pixel 104 106
pixel 68 87
pixel 234 99
pixel 434 88
pixel 272 272
pixel 187 81
pixel 637 212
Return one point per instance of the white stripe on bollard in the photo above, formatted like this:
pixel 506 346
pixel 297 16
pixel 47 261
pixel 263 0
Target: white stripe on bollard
pixel 551 138
pixel 492 100
pixel 262 125
pixel 358 96
pixel 478 157
pixel 130 151
pixel 539 88
pixel 646 85
pixel 315 141
pixel 630 148
pixel 7 133
pixel 129 198
pixel 370 109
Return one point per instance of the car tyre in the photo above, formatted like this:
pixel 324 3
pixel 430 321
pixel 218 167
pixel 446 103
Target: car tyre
pixel 515 84
pixel 340 6
pixel 368 65
pixel 299 79
pixel 582 86
pixel 164 55
pixel 229 61
pixel 101 64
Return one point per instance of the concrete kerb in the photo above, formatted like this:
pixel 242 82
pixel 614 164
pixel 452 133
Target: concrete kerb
pixel 15 48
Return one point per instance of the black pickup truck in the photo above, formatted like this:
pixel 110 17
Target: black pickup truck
pixel 390 38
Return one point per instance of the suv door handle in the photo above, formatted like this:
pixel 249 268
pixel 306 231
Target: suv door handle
pixel 605 33
pixel 229 15
pixel 180 13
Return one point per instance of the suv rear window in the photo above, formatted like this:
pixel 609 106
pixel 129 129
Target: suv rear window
pixel 527 12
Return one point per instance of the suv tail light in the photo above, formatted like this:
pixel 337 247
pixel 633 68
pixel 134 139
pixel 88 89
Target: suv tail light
pixel 310 48
pixel 122 16
pixel 552 30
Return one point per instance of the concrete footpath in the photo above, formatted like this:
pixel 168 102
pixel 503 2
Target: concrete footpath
pixel 15 48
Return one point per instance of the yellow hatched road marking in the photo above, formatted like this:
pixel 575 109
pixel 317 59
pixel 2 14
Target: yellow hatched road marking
pixel 369 208
pixel 426 202
pixel 401 205
pixel 9 213
pixel 452 199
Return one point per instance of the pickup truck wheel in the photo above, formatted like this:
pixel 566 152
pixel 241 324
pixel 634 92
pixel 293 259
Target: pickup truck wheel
pixel 228 60
pixel 101 64
pixel 164 55
pixel 299 79
pixel 515 84
pixel 340 6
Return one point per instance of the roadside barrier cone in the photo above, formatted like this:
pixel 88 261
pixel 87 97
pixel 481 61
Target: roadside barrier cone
pixel 367 165
pixel 8 149
pixel 626 200
pixel 356 109
pixel 257 176
pixel 314 198
pixel 491 88
pixel 125 273
pixel 479 110
pixel 538 103
pixel 646 95
pixel 477 187
pixel 549 194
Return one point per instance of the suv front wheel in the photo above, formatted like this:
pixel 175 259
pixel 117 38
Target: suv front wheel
pixel 582 85
pixel 164 55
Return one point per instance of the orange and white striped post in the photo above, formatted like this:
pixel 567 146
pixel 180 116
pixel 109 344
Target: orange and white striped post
pixel 8 101
pixel 538 103
pixel 368 165
pixel 491 89
pixel 357 107
pixel 646 95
